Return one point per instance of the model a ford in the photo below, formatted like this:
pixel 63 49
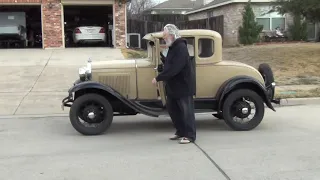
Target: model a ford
pixel 232 91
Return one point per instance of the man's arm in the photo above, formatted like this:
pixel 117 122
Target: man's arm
pixel 173 68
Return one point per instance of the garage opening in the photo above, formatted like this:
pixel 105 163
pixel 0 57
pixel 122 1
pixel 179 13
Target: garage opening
pixel 88 26
pixel 20 26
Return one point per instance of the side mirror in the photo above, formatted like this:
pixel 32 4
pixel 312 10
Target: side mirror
pixel 151 43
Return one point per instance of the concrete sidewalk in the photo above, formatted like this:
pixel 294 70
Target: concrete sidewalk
pixel 34 80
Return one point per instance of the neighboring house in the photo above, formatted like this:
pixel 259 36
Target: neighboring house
pixel 232 17
pixel 52 13
pixel 171 11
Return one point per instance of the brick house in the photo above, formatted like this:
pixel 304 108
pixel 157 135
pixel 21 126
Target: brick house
pixel 52 17
pixel 232 17
pixel 171 11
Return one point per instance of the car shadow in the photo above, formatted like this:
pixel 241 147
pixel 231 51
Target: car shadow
pixel 154 126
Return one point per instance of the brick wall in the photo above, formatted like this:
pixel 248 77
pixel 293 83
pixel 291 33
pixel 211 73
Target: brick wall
pixel 120 24
pixel 51 23
pixel 20 1
pixel 232 20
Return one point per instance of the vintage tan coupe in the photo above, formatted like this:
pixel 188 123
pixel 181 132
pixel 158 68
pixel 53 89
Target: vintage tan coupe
pixel 232 91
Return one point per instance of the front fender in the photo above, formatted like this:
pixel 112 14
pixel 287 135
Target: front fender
pixel 109 91
pixel 94 85
pixel 243 82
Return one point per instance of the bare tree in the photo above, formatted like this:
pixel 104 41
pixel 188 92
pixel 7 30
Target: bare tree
pixel 136 7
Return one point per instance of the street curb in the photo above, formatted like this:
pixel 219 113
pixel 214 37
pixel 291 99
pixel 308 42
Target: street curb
pixel 32 116
pixel 299 101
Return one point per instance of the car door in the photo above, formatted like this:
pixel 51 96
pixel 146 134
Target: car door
pixel 160 85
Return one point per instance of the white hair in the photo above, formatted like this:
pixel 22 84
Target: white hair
pixel 173 30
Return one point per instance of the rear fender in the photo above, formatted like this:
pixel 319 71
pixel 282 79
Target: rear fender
pixel 242 82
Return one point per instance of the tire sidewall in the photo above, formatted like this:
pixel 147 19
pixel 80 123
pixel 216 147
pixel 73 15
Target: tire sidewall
pixel 229 102
pixel 267 73
pixel 75 110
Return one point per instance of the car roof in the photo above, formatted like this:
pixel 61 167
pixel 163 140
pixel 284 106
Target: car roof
pixel 187 32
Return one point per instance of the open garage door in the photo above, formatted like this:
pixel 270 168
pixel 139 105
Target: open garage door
pixel 20 26
pixel 88 23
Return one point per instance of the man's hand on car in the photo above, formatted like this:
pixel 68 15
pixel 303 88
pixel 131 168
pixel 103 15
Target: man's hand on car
pixel 154 81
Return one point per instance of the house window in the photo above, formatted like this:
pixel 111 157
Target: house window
pixel 271 23
pixel 205 48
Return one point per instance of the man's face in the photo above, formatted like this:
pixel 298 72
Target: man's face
pixel 168 38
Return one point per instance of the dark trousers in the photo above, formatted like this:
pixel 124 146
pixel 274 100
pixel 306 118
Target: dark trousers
pixel 181 111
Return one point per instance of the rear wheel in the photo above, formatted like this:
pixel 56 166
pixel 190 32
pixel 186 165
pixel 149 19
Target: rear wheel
pixel 91 114
pixel 243 110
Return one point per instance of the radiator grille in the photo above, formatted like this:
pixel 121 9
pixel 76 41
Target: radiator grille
pixel 120 83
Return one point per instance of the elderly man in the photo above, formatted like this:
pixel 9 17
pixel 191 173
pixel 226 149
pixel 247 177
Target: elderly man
pixel 179 85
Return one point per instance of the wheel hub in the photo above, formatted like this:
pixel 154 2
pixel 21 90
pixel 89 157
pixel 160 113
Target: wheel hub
pixel 92 114
pixel 243 109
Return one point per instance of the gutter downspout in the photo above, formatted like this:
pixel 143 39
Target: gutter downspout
pixel 125 25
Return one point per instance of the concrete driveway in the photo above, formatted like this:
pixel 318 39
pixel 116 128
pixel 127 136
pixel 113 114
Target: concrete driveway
pixel 35 80
pixel 285 146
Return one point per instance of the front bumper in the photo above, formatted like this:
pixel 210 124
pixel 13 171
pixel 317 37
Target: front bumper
pixel 67 101
pixel 271 89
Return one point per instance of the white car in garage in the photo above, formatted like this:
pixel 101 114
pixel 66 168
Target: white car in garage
pixel 89 34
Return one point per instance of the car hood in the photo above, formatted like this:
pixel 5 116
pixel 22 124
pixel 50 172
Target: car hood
pixel 127 63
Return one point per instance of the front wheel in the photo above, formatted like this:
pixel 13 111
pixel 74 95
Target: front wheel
pixel 243 110
pixel 91 114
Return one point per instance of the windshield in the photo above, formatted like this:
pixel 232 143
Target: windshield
pixel 149 51
pixel 88 22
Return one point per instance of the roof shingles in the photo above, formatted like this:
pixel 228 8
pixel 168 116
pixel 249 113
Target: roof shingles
pixel 215 2
pixel 183 4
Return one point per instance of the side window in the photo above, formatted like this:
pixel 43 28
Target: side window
pixel 205 48
pixel 190 45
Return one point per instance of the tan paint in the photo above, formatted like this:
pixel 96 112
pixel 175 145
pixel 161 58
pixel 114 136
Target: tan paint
pixel 132 78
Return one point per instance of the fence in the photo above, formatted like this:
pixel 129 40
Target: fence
pixel 145 27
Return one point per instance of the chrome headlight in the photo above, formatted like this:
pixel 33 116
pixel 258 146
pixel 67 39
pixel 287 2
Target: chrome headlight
pixel 85 72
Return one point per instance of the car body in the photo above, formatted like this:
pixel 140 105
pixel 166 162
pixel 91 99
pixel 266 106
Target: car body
pixel 89 34
pixel 123 87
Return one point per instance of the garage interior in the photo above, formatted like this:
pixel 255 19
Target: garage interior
pixel 20 26
pixel 87 15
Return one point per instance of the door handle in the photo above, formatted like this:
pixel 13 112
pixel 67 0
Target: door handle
pixel 156 68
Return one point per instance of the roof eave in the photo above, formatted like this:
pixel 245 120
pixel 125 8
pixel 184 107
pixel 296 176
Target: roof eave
pixel 225 3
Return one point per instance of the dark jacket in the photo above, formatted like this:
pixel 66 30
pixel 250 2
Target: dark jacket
pixel 177 73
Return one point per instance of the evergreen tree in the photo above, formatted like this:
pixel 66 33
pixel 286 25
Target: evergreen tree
pixel 309 9
pixel 250 29
pixel 298 30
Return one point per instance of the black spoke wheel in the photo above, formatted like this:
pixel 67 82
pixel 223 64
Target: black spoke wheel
pixel 91 114
pixel 243 110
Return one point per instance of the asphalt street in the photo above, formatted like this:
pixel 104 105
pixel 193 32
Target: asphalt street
pixel 285 146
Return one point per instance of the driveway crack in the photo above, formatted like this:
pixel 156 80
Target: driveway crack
pixel 38 77
pixel 213 162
